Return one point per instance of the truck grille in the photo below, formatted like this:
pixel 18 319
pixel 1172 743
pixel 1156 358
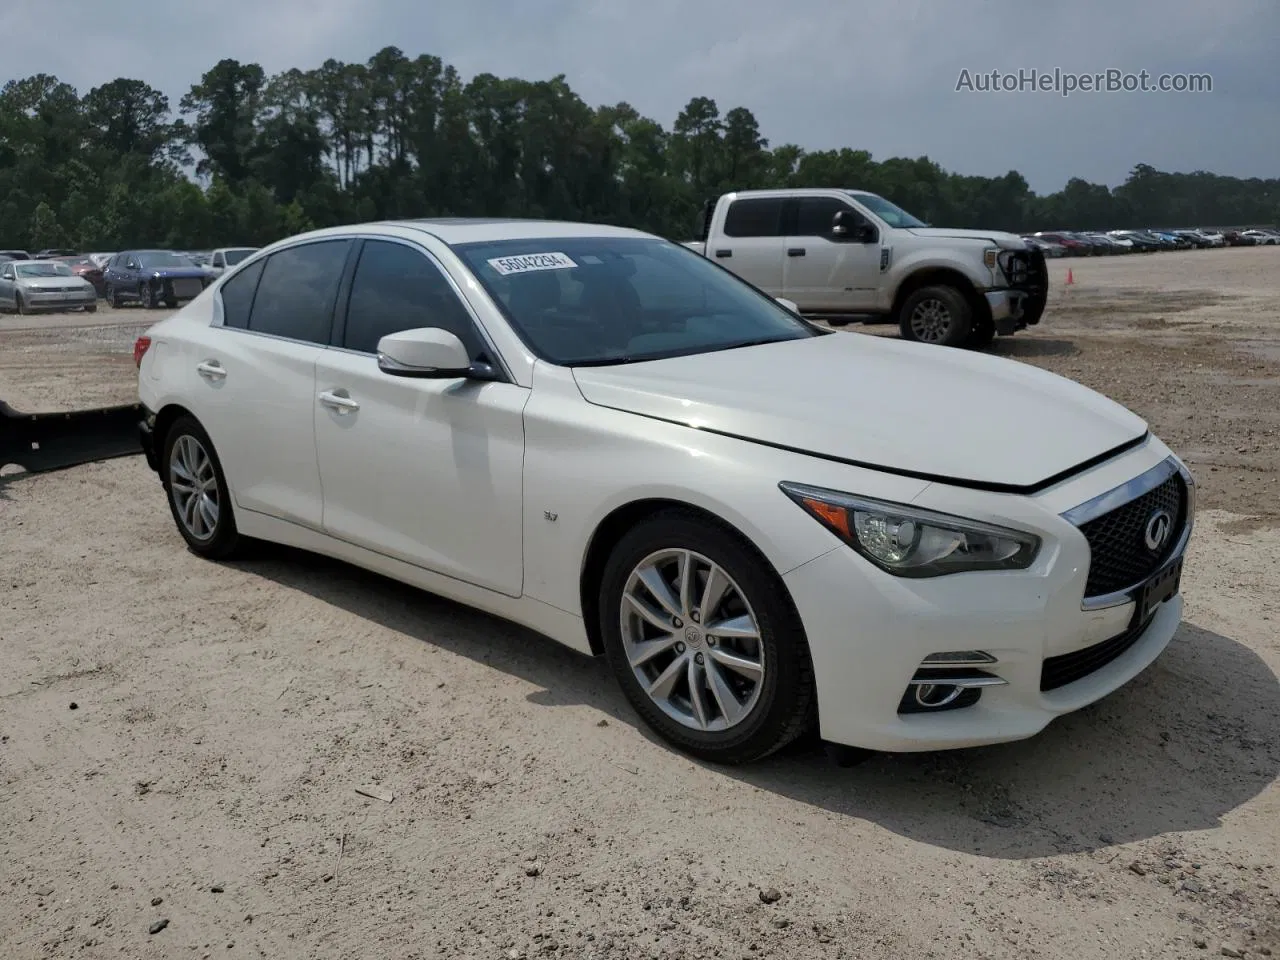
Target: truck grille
pixel 1070 667
pixel 1118 554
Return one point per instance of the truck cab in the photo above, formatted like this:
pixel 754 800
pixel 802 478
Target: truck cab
pixel 840 253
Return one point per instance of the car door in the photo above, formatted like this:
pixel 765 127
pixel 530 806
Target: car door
pixel 825 272
pixel 427 471
pixel 255 377
pixel 8 285
pixel 751 241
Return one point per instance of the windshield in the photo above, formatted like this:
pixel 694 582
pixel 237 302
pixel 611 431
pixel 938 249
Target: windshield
pixel 43 270
pixel 599 301
pixel 78 262
pixel 890 213
pixel 163 258
pixel 235 256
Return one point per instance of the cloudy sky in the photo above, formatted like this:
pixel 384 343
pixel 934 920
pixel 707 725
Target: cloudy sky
pixel 879 76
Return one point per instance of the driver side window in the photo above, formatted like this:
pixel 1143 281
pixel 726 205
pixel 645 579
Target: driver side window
pixel 814 216
pixel 398 288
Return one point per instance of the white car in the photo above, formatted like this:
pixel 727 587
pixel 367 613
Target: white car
pixel 763 524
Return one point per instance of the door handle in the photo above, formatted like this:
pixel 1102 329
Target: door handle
pixel 338 403
pixel 211 370
pixel 724 253
pixel 795 252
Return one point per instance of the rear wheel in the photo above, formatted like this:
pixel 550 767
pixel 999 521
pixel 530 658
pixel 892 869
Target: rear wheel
pixel 700 634
pixel 936 314
pixel 197 491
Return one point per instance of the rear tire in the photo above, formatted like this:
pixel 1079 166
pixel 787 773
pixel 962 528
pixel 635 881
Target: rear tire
pixel 937 314
pixel 197 491
pixel 743 680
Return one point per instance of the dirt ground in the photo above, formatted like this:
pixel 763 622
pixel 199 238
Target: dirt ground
pixel 182 741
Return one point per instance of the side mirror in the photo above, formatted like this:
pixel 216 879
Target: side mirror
pixel 427 352
pixel 847 226
pixel 788 304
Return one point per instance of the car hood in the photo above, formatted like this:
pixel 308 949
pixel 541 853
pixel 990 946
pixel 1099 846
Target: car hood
pixel 921 410
pixel 1008 241
pixel 49 283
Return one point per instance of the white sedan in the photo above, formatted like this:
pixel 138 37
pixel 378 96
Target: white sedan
pixel 762 524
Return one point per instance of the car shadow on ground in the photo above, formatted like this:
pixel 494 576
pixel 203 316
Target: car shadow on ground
pixel 1025 346
pixel 1182 746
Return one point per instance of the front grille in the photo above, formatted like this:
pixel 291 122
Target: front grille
pixel 1118 554
pixel 1070 667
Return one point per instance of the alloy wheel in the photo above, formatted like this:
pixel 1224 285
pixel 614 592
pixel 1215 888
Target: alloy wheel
pixel 692 640
pixel 930 320
pixel 193 485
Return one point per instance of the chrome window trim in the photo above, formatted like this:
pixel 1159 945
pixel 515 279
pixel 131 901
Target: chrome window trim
pixel 1117 497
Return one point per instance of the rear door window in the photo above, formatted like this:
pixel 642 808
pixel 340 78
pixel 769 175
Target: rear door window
pixel 237 296
pixel 755 217
pixel 296 292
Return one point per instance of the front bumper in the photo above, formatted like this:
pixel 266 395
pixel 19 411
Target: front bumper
pixel 1006 309
pixel 870 634
pixel 59 301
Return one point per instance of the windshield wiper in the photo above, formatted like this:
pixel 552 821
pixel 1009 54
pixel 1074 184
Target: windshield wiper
pixel 602 361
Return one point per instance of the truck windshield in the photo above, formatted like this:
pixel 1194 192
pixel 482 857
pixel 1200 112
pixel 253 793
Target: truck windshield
pixel 599 301
pixel 890 213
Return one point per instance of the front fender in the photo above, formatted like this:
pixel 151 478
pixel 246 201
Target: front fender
pixel 583 462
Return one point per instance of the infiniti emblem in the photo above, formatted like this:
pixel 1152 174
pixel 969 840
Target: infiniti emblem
pixel 1157 531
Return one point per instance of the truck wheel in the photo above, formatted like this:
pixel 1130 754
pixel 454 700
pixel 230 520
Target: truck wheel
pixel 938 315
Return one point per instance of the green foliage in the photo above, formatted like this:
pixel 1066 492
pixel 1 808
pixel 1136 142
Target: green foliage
pixel 402 137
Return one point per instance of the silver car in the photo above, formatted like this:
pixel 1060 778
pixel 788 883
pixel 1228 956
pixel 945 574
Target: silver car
pixel 28 286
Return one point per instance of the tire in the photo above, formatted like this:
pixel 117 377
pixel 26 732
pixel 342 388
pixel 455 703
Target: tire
pixel 151 296
pixel 91 308
pixel 20 305
pixel 983 332
pixel 189 444
pixel 112 297
pixel 939 315
pixel 765 710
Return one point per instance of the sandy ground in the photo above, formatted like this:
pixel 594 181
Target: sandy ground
pixel 183 741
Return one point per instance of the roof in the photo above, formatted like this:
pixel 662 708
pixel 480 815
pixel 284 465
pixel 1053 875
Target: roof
pixel 458 230
pixel 800 192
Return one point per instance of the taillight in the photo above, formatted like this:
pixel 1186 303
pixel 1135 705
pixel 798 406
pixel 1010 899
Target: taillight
pixel 139 348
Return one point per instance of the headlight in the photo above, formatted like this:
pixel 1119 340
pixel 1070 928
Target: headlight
pixel 911 542
pixel 989 256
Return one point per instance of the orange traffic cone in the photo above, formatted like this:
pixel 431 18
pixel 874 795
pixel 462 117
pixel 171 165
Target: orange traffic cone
pixel 1070 277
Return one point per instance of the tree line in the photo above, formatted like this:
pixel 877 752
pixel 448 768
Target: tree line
pixel 407 137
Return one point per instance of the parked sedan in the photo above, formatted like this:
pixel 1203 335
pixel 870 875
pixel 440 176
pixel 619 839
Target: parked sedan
pixel 152 278
pixel 564 425
pixel 29 286
pixel 84 266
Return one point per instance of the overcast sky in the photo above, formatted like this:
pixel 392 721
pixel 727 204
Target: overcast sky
pixel 878 76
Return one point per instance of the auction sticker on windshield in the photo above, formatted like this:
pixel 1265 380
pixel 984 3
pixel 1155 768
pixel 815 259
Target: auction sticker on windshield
pixel 531 261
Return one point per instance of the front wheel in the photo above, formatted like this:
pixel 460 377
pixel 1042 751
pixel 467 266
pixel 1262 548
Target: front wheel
pixel 700 634
pixel 151 296
pixel 937 314
pixel 197 491
pixel 19 304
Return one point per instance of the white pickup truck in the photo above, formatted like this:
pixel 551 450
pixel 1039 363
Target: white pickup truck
pixel 842 253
